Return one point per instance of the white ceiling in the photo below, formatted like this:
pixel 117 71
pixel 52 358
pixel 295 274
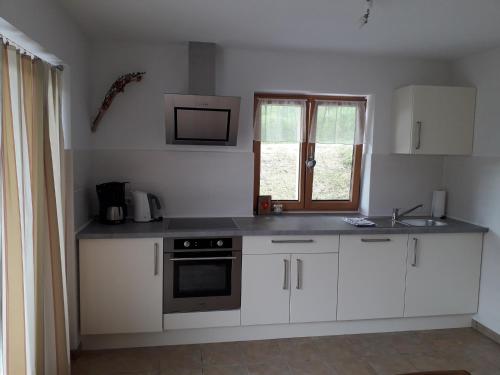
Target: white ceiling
pixel 443 29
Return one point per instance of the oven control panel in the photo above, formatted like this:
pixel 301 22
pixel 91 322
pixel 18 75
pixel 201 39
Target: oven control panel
pixel 203 243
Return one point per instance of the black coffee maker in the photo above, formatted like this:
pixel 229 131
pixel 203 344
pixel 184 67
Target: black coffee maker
pixel 112 207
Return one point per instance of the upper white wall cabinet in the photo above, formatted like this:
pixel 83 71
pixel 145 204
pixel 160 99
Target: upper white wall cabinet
pixel 434 120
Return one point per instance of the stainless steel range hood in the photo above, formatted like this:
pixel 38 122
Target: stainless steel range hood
pixel 201 117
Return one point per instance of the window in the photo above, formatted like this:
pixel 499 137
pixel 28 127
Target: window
pixel 308 150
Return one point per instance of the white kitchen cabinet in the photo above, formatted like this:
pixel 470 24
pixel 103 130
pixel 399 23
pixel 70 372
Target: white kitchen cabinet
pixel 372 270
pixel 289 279
pixel 265 293
pixel 313 287
pixel 443 274
pixel 434 120
pixel 121 285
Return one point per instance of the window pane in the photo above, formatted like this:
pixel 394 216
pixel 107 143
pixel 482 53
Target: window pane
pixel 335 130
pixel 281 126
pixel 332 173
pixel 279 170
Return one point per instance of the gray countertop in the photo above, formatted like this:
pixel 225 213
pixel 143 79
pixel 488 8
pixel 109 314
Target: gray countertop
pixel 286 224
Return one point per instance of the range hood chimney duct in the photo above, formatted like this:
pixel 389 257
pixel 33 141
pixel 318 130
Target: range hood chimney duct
pixel 201 68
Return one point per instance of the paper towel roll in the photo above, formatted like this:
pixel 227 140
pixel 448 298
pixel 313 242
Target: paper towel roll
pixel 438 203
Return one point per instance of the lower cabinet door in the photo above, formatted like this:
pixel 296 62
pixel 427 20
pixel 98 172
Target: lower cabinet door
pixel 372 271
pixel 265 289
pixel 313 287
pixel 443 274
pixel 121 286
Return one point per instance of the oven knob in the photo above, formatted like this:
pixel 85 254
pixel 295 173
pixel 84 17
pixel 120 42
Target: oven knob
pixel 187 244
pixel 220 243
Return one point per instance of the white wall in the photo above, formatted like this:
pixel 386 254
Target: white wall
pixel 404 181
pixel 482 71
pixel 473 183
pixel 129 144
pixel 136 120
pixel 189 184
pixel 244 71
pixel 47 23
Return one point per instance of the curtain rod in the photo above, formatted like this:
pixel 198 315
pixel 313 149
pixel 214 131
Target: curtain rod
pixel 8 41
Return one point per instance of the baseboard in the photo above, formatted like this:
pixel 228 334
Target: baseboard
pixel 486 331
pixel 262 332
pixel 75 354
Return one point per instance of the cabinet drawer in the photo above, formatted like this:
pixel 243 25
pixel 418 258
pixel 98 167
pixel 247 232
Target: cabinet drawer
pixel 290 244
pixel 372 242
pixel 204 319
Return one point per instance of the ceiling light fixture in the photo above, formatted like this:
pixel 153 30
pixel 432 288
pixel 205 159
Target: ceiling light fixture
pixel 366 15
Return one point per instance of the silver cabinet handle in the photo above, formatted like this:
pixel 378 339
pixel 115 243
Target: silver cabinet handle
pixel 375 240
pixel 205 258
pixel 299 273
pixel 285 274
pixel 414 261
pixel 292 241
pixel 157 256
pixel 419 135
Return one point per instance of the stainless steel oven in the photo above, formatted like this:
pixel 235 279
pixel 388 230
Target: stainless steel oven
pixel 201 274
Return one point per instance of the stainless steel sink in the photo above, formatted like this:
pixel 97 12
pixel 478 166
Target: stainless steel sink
pixel 423 222
pixel 386 222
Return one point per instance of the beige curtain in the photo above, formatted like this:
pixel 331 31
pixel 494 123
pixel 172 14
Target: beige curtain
pixel 35 340
pixel 338 122
pixel 333 121
pixel 280 120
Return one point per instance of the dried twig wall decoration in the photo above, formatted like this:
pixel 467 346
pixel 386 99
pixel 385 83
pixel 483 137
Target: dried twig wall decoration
pixel 117 87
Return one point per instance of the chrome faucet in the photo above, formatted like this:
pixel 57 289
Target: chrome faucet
pixel 396 215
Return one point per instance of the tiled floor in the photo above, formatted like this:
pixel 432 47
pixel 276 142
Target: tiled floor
pixel 375 354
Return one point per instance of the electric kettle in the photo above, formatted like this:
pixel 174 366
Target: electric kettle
pixel 146 207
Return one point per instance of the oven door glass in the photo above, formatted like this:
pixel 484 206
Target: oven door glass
pixel 202 274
